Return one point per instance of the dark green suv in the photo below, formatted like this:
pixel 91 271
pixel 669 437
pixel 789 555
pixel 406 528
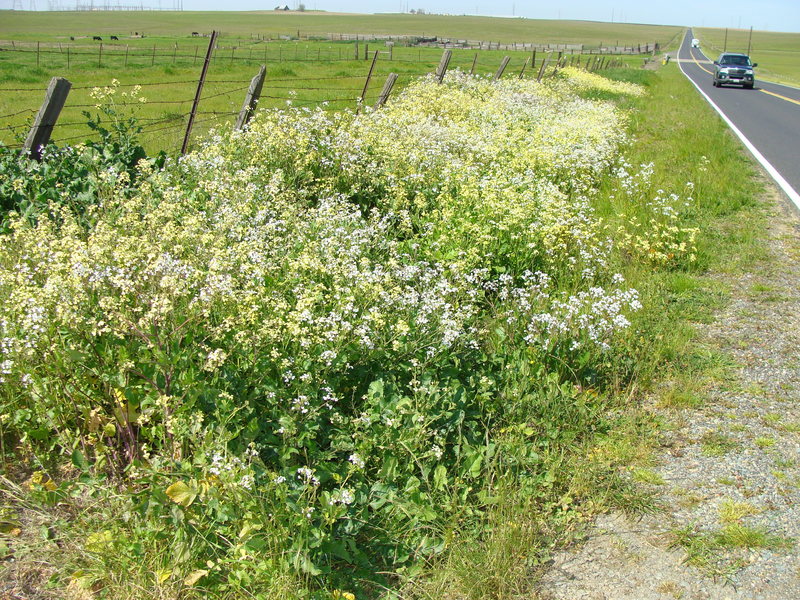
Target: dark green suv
pixel 734 69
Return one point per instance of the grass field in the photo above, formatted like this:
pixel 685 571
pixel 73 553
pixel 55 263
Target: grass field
pixel 41 26
pixel 35 47
pixel 304 73
pixel 777 54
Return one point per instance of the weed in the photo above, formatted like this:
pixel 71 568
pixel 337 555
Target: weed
pixel 764 442
pixel 717 444
pixel 648 476
pixel 731 511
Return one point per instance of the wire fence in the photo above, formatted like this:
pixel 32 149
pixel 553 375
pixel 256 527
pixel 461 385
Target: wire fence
pixel 165 115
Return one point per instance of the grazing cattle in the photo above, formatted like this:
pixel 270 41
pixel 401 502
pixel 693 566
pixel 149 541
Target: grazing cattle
pixel 97 38
pixel 113 37
pixel 195 33
pixel 72 38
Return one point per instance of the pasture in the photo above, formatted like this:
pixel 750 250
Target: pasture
pixel 174 25
pixel 777 53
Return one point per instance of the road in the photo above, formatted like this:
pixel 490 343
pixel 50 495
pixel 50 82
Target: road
pixel 766 118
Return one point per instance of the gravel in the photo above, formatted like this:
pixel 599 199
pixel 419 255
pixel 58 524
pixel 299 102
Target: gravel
pixel 742 445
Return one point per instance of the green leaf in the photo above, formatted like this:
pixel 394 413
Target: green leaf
pixel 79 460
pixel 475 466
pixel 440 477
pixel 337 549
pixel 305 565
pixel 181 493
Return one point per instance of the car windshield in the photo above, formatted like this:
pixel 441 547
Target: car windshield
pixel 741 61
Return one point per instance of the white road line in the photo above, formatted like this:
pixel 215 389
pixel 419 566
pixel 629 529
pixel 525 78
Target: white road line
pixel 784 185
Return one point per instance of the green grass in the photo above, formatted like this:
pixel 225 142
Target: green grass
pixel 168 59
pixel 777 54
pixel 717 444
pixel 42 25
pixel 708 551
pixel 308 74
pixel 731 511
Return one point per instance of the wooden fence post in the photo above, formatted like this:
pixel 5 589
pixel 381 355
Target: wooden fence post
pixel 54 100
pixel 199 91
pixel 502 68
pixel 37 54
pixel 366 51
pixel 522 71
pixel 68 57
pixel 443 64
pixel 127 47
pixel 153 61
pixel 474 62
pixel 251 99
pixel 543 68
pixel 387 89
pixel 100 56
pixel 355 55
pixel 366 83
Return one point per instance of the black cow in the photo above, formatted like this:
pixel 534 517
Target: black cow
pixel 97 38
pixel 72 38
pixel 113 37
pixel 195 33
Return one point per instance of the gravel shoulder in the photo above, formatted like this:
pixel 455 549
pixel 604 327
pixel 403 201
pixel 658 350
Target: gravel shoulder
pixel 728 473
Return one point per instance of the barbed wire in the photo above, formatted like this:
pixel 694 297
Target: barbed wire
pixel 24 110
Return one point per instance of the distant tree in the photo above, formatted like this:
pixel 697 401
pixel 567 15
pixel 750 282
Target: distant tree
pixel 301 7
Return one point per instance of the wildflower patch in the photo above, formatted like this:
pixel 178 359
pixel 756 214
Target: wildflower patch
pixel 328 340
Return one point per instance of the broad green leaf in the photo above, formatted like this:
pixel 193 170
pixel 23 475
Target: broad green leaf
pixel 440 477
pixel 79 460
pixel 475 466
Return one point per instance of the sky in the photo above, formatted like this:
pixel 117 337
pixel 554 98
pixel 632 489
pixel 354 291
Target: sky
pixel 772 15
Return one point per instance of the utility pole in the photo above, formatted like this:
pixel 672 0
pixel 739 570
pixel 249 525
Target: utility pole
pixel 725 45
pixel 749 40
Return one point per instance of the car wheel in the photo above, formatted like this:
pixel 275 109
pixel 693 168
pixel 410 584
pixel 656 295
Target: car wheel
pixel 748 86
pixel 714 82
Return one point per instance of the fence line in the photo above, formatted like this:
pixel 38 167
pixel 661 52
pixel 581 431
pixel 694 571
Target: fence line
pixel 171 54
pixel 150 125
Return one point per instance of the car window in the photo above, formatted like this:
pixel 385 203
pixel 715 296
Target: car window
pixel 735 60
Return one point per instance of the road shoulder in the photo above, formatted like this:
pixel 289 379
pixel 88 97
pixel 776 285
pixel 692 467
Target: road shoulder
pixel 728 472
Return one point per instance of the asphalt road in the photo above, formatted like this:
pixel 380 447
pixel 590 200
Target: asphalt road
pixel 767 117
